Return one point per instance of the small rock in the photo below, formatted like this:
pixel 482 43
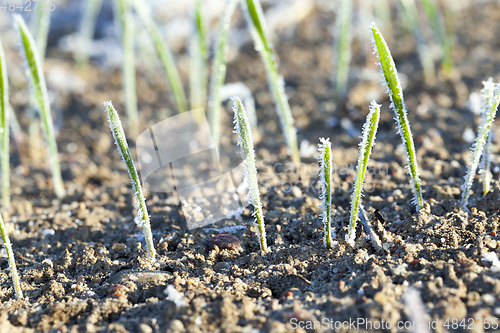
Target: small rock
pixel 177 325
pixel 399 269
pixel 144 328
pixel 297 192
pixel 220 266
pixel 225 241
pixel 488 299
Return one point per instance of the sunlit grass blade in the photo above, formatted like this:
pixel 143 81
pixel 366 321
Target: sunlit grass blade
pixel 219 72
pixel 4 127
pixel 92 8
pixel 37 79
pixel 126 22
pixel 241 90
pixel 198 53
pixel 164 54
pixel 365 149
pixel 41 25
pixel 245 141
pixel 325 177
pixel 487 95
pixel 122 145
pixel 343 47
pixel 10 256
pixel 478 146
pixel 395 92
pixel 257 26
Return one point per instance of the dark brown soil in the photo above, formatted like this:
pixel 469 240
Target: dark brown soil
pixel 82 259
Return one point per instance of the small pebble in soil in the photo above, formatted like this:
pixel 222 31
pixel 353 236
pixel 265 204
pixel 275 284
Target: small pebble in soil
pixel 225 241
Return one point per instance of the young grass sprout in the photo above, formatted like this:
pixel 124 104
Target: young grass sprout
pixel 121 144
pixel 479 144
pixel 325 176
pixel 487 98
pixel 245 141
pixel 390 74
pixel 37 79
pixel 258 29
pixel 343 47
pixel 4 125
pixel 92 8
pixel 10 257
pixel 198 53
pixel 365 149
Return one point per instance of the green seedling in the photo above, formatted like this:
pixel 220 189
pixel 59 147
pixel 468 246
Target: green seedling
pixel 258 30
pixel 219 73
pixel 37 79
pixel 198 54
pixel 343 47
pixel 241 90
pixel 41 25
pixel 10 257
pixel 126 23
pixel 487 95
pixel 325 177
pixel 395 92
pixel 444 39
pixel 121 144
pixel 92 8
pixel 4 125
pixel 164 54
pixel 365 149
pixel 245 141
pixel 479 144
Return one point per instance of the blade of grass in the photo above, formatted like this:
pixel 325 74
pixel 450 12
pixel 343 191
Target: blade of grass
pixel 241 90
pixel 198 74
pixel 487 100
pixel 245 141
pixel 10 256
pixel 92 9
pixel 41 26
pixel 325 176
pixel 343 47
pixel 37 79
pixel 126 23
pixel 391 79
pixel 219 72
pixel 365 149
pixel 4 126
pixel 121 144
pixel 164 54
pixel 258 30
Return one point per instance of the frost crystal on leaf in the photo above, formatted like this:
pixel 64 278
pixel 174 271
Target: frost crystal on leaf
pixel 325 177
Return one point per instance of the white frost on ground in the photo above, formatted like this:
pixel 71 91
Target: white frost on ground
pixel 175 296
pixel 493 258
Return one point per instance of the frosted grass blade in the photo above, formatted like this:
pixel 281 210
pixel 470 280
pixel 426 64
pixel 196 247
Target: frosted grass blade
pixel 121 144
pixel 365 149
pixel 41 26
pixel 10 256
pixel 198 54
pixel 4 125
pixel 343 47
pixel 219 72
pixel 241 90
pixel 255 19
pixel 92 8
pixel 487 95
pixel 164 54
pixel 245 141
pixel 325 177
pixel 37 79
pixel 390 75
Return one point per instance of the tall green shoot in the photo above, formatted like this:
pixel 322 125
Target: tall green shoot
pixel 41 25
pixel 10 257
pixel 218 75
pixel 164 54
pixel 479 144
pixel 126 23
pixel 325 176
pixel 121 143
pixel 198 54
pixel 258 30
pixel 487 98
pixel 390 74
pixel 343 47
pixel 4 127
pixel 365 149
pixel 37 79
pixel 245 141
pixel 92 8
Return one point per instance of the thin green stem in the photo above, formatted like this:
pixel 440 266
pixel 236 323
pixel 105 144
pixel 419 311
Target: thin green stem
pixel 343 47
pixel 92 8
pixel 10 257
pixel 198 54
pixel 325 175
pixel 4 127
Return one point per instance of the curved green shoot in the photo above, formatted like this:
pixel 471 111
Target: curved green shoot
pixel 121 144
pixel 343 47
pixel 258 30
pixel 37 79
pixel 478 146
pixel 41 25
pixel 198 53
pixel 10 257
pixel 487 94
pixel 245 141
pixel 4 127
pixel 365 149
pixel 219 72
pixel 164 54
pixel 92 8
pixel 126 22
pixel 325 177
pixel 241 90
pixel 390 74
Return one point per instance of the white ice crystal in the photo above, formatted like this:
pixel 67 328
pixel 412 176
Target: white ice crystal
pixel 325 178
